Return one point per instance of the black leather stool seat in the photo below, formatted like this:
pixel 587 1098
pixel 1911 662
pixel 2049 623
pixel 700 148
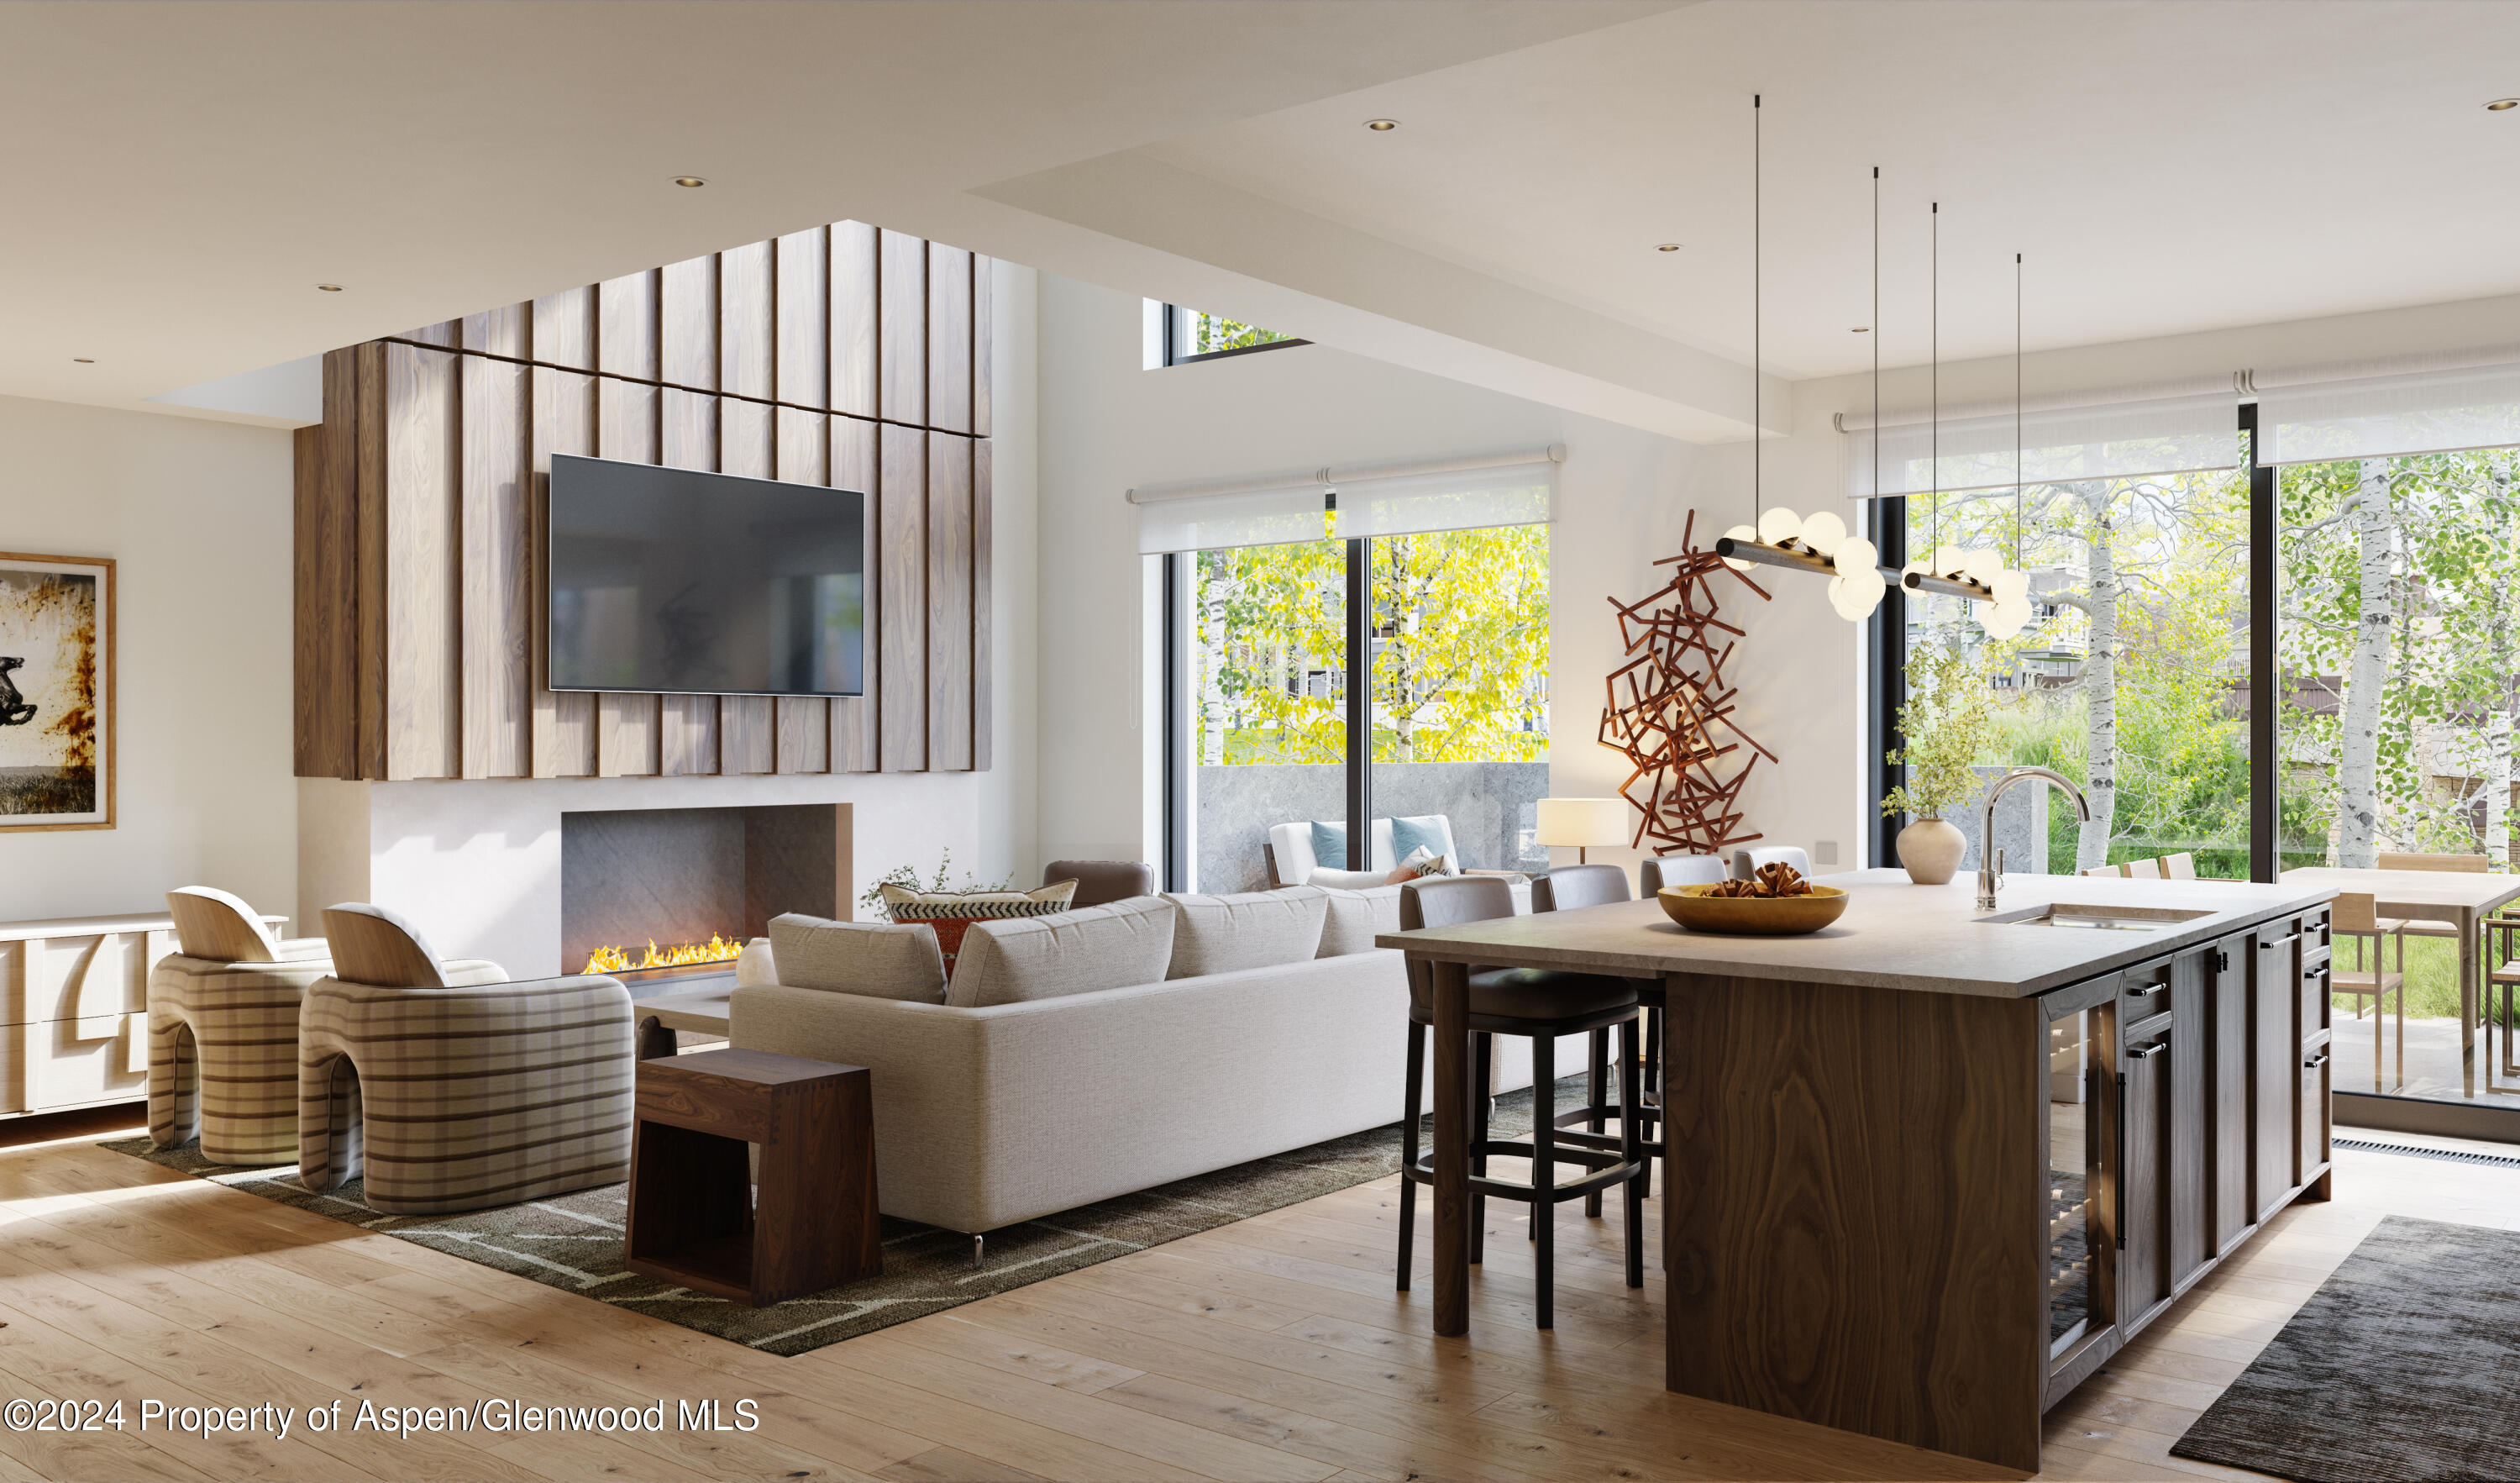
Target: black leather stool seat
pixel 1537 994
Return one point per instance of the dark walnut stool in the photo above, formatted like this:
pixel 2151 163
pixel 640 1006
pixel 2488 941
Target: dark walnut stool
pixel 694 1216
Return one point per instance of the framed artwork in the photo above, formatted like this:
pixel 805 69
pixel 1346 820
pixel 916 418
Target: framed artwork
pixel 57 715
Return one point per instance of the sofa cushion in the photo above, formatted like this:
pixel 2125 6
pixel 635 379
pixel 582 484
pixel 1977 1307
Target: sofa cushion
pixel 873 958
pixel 1098 947
pixel 1347 881
pixel 1422 863
pixel 952 913
pixel 756 964
pixel 1330 845
pixel 1255 929
pixel 1353 918
pixel 1431 832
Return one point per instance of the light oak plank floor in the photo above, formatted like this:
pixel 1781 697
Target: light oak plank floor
pixel 1274 1349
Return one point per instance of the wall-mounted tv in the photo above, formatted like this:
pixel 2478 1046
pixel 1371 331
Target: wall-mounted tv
pixel 690 583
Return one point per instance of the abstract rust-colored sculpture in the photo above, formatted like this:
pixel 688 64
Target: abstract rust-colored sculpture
pixel 1670 714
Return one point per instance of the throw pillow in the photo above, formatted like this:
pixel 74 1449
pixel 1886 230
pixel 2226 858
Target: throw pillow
pixel 1421 862
pixel 1431 832
pixel 755 964
pixel 1330 845
pixel 1354 917
pixel 1101 947
pixel 952 913
pixel 1255 929
pixel 872 959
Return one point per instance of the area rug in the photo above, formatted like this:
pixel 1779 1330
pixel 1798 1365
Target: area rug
pixel 573 1241
pixel 2403 1366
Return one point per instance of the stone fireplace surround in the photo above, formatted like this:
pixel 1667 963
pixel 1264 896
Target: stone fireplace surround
pixel 669 875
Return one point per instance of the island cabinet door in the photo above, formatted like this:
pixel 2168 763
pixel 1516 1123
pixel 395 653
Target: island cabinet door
pixel 2276 1064
pixel 2147 1196
pixel 2191 1117
pixel 2226 1067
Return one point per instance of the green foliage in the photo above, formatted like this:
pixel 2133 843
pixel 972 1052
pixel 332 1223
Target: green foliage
pixel 1209 334
pixel 1948 722
pixel 907 878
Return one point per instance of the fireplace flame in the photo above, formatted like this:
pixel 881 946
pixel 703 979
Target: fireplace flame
pixel 616 959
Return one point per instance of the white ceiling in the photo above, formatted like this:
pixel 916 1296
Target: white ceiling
pixel 181 176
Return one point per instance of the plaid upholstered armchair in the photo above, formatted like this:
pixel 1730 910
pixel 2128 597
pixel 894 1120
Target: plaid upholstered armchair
pixel 223 1032
pixel 448 1087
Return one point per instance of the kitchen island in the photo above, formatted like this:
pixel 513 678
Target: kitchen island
pixel 1929 1168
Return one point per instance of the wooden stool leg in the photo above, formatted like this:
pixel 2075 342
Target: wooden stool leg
pixel 1543 1154
pixel 1482 1078
pixel 1417 1080
pixel 655 1039
pixel 1629 1123
pixel 1595 1091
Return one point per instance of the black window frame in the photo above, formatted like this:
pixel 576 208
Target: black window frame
pixel 1173 315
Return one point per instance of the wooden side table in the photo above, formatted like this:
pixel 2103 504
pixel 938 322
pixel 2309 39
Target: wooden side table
pixel 694 1216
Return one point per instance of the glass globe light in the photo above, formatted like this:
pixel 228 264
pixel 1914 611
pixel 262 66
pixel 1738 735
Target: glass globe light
pixel 1984 564
pixel 1853 554
pixel 1740 534
pixel 2001 621
pixel 2010 586
pixel 1824 532
pixel 1948 561
pixel 1778 527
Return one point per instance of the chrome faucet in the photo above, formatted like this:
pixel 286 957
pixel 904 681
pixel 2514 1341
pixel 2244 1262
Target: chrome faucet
pixel 1990 860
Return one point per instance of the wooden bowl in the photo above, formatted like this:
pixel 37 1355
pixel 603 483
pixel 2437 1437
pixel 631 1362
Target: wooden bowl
pixel 1752 916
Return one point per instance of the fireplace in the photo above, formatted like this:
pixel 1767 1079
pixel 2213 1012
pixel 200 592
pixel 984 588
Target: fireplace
pixel 645 891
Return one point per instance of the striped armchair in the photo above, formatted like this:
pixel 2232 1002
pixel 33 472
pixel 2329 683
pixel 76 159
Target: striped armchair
pixel 223 1032
pixel 448 1087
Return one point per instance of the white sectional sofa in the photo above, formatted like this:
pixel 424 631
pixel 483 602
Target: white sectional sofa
pixel 988 1114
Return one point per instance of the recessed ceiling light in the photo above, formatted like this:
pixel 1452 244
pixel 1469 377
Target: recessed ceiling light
pixel 690 182
pixel 1382 125
pixel 84 360
pixel 2500 105
pixel 1667 246
pixel 329 287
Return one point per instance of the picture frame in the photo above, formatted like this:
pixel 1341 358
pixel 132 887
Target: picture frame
pixel 58 717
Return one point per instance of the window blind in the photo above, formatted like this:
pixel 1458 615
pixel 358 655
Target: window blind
pixel 1522 493
pixel 2384 408
pixel 1213 517
pixel 2131 432
pixel 1517 488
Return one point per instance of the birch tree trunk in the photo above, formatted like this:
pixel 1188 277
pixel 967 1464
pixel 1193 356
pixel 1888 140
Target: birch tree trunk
pixel 2497 729
pixel 1214 594
pixel 2358 763
pixel 2101 683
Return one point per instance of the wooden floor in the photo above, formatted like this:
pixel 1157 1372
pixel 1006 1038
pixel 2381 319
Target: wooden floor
pixel 1274 1349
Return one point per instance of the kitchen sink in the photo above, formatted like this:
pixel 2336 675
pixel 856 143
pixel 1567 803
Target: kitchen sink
pixel 2096 918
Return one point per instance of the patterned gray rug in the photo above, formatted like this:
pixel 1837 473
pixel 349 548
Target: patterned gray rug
pixel 2403 1366
pixel 573 1241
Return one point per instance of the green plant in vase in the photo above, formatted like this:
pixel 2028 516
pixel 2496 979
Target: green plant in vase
pixel 1948 722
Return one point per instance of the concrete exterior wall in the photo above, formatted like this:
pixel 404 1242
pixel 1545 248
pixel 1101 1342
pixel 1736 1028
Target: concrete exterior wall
pixel 1491 806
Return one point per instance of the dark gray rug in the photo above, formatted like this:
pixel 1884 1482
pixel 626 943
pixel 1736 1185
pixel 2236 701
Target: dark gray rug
pixel 573 1241
pixel 2403 1366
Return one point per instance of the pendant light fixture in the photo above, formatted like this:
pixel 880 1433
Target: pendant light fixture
pixel 1947 570
pixel 1779 537
pixel 2010 586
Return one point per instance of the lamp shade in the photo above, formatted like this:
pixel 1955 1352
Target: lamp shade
pixel 1575 823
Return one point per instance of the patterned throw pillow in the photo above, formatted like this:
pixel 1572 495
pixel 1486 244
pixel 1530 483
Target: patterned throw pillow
pixel 952 913
pixel 1422 862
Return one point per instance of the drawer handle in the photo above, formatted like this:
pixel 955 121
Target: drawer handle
pixel 2138 1053
pixel 2315 1061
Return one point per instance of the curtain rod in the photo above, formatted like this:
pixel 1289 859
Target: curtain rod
pixel 1327 479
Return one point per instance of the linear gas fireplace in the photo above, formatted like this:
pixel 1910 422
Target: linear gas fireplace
pixel 659 895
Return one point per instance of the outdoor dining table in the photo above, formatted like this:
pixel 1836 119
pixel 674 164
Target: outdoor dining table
pixel 2459 897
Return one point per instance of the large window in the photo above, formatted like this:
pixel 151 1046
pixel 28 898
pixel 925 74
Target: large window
pixel 1190 335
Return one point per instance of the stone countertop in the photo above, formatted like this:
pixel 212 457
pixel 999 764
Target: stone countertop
pixel 1893 934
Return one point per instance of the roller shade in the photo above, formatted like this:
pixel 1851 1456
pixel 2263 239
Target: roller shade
pixel 2134 432
pixel 1516 488
pixel 2381 409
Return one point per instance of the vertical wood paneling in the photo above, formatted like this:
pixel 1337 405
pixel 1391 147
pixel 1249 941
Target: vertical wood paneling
pixel 901 556
pixel 803 452
pixel 314 609
pixel 565 330
pixel 496 588
pixel 949 602
pixel 563 422
pixel 744 337
pixel 369 364
pixel 423 662
pixel 902 330
pixel 748 725
pixel 445 335
pixel 687 726
pixel 687 323
pixel 983 614
pixel 326 572
pixel 626 427
pixel 499 331
pixel 949 338
pixel 853 318
pixel 802 306
pixel 984 339
pixel 855 455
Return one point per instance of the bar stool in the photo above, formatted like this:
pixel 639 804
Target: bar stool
pixel 1542 1004
pixel 1572 887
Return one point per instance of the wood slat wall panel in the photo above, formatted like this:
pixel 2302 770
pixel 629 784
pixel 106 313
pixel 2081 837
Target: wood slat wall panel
pixel 625 326
pixel 424 661
pixel 803 454
pixel 687 323
pixel 327 558
pixel 983 616
pixel 688 728
pixel 901 546
pixel 564 329
pixel 500 331
pixel 902 329
pixel 497 587
pixel 445 335
pixel 626 423
pixel 853 318
pixel 855 456
pixel 949 602
pixel 802 308
pixel 748 725
pixel 949 338
pixel 369 372
pixel 746 339
pixel 563 422
pixel 984 339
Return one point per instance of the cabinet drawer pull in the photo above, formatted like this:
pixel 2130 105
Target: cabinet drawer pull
pixel 2315 1061
pixel 2138 1053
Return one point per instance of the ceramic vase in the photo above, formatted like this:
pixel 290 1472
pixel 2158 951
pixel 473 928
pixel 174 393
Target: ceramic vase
pixel 1931 850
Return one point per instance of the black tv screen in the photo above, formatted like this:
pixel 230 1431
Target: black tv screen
pixel 677 581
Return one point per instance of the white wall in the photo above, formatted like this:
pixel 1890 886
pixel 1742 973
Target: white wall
pixel 1108 423
pixel 196 516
